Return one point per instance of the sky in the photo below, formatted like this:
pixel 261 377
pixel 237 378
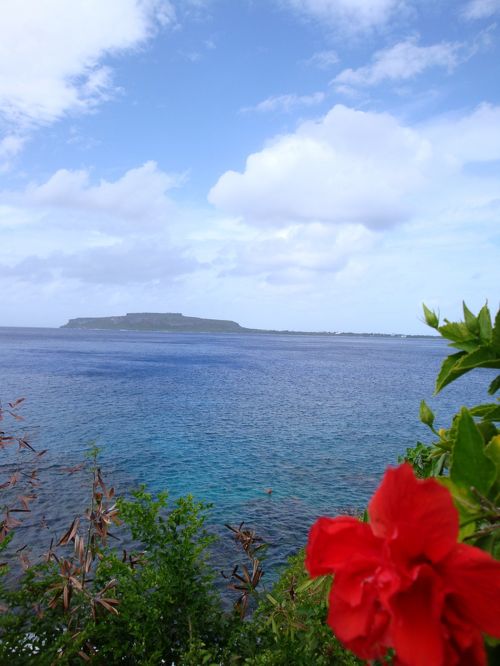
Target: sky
pixel 308 165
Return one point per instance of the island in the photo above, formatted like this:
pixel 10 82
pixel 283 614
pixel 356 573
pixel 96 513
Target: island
pixel 175 322
pixel 171 322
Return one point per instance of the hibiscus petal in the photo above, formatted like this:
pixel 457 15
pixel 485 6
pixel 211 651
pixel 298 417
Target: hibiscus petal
pixel 474 654
pixel 362 628
pixel 416 630
pixel 465 645
pixel 417 516
pixel 337 542
pixel 473 581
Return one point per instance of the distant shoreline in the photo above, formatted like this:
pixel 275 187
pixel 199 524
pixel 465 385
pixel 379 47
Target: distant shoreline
pixel 178 323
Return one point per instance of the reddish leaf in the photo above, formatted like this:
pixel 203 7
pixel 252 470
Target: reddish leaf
pixel 16 403
pixel 70 534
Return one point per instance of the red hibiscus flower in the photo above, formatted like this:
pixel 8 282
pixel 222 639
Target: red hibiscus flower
pixel 403 582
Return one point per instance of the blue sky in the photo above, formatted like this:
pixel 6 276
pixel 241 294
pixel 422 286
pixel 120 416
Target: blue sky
pixel 291 164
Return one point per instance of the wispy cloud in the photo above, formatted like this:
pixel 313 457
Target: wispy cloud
pixel 405 60
pixel 351 16
pixel 477 9
pixel 323 59
pixel 286 103
pixel 10 146
pixel 52 53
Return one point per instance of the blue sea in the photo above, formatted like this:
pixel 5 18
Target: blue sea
pixel 226 417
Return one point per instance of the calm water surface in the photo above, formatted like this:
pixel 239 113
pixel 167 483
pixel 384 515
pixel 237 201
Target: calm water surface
pixel 225 417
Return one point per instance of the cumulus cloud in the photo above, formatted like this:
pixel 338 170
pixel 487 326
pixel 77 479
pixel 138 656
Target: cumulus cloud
pixel 286 103
pixel 349 167
pixel 104 233
pixel 477 9
pixel 360 167
pixel 350 15
pixel 51 53
pixel 403 61
pixel 136 201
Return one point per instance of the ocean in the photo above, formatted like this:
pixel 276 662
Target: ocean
pixel 225 417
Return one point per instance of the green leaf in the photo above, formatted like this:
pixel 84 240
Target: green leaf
pixel 490 411
pixel 485 328
pixel 456 331
pixel 484 357
pixel 426 414
pixel 487 429
pixel 305 585
pixel 470 466
pixel 465 346
pixel 467 505
pixel 470 320
pixel 458 364
pixel 495 336
pixel 494 386
pixel 446 373
pixel 431 318
pixel 492 450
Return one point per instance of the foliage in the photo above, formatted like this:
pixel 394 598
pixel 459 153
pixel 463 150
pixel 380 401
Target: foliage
pixel 477 339
pixel 88 600
pixel 164 594
pixel 245 584
pixel 290 622
pixel 21 464
pixel 466 455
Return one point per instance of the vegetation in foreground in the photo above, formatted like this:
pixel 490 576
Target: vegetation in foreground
pixel 89 601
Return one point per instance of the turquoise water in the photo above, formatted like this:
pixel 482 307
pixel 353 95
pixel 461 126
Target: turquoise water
pixel 225 417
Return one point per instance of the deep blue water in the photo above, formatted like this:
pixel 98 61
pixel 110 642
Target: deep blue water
pixel 225 417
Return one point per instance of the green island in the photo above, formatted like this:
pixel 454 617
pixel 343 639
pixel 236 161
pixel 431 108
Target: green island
pixel 175 322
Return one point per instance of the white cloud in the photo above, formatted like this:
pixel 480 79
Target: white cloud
pixel 349 167
pixel 354 167
pixel 477 9
pixel 51 53
pixel 131 261
pixel 136 201
pixel 349 15
pixel 108 233
pixel 296 253
pixel 286 103
pixel 10 146
pixel 466 139
pixel 323 59
pixel 401 62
